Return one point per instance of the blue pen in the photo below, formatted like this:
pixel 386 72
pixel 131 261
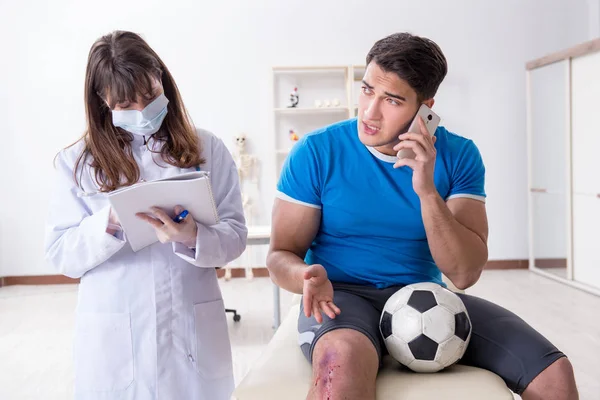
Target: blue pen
pixel 181 216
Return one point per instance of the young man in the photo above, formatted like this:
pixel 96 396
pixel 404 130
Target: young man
pixel 353 223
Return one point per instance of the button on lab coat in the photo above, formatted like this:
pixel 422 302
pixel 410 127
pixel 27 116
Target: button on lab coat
pixel 151 324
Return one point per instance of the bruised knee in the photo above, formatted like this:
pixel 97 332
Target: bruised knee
pixel 340 349
pixel 344 363
pixel 327 363
pixel 327 371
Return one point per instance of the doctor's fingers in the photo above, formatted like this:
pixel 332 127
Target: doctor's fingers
pixel 152 221
pixel 162 216
pixel 178 210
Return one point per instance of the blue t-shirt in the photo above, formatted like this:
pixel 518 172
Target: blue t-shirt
pixel 371 229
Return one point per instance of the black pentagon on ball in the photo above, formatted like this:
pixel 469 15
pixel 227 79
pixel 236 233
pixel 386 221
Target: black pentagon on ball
pixel 422 300
pixel 423 348
pixel 386 325
pixel 462 326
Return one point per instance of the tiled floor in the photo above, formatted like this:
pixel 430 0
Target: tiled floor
pixel 36 328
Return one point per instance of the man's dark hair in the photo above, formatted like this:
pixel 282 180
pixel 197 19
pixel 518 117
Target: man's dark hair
pixel 417 60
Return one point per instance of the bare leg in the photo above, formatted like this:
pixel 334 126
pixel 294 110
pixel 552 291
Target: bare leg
pixel 345 366
pixel 557 382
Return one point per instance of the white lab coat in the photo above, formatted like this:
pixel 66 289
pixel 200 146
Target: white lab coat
pixel 151 324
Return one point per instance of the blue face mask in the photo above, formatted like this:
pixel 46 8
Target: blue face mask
pixel 145 122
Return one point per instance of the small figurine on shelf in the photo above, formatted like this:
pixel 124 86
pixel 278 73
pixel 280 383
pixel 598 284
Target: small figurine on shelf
pixel 293 136
pixel 294 98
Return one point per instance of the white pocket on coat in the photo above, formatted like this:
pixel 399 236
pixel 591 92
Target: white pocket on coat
pixel 103 352
pixel 213 349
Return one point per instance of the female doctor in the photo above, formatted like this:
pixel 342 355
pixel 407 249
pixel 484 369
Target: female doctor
pixel 149 324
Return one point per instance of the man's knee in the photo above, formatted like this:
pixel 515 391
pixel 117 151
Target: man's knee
pixel 340 352
pixel 557 381
pixel 564 366
pixel 560 369
pixel 345 364
pixel 342 346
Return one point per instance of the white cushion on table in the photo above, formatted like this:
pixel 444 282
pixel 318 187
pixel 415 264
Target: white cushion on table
pixel 282 372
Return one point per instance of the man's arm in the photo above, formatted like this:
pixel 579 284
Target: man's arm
pixel 457 230
pixel 294 227
pixel 457 233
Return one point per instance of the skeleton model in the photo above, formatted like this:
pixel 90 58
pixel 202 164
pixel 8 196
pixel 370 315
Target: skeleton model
pixel 247 167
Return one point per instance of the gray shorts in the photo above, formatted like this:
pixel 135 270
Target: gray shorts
pixel 501 342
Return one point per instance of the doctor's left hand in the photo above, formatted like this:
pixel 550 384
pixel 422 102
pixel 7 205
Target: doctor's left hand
pixel 168 230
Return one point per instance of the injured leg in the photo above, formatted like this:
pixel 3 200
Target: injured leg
pixel 345 365
pixel 326 374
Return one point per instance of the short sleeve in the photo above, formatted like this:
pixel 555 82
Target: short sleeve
pixel 299 179
pixel 468 177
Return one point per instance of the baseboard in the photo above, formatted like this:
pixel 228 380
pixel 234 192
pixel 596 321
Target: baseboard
pixel 260 272
pixel 61 279
pixel 36 280
pixel 241 272
pixel 507 264
pixel 551 262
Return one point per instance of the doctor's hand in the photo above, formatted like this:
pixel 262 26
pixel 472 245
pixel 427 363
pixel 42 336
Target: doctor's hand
pixel 317 294
pixel 113 225
pixel 423 165
pixel 168 230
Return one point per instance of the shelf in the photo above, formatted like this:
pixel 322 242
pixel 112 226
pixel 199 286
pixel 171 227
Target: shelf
pixel 316 84
pixel 311 110
pixel 359 72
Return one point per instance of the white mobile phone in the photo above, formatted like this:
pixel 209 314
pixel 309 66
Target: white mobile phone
pixel 431 119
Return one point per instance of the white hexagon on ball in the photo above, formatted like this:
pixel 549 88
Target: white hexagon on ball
pixel 450 351
pixel 449 300
pixel 425 366
pixel 406 324
pixel 399 350
pixel 433 287
pixel 398 300
pixel 438 324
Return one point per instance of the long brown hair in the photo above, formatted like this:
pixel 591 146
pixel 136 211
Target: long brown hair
pixel 121 66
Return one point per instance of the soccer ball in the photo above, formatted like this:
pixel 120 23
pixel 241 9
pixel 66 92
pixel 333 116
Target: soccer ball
pixel 425 327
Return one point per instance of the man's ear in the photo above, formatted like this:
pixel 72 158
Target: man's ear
pixel 429 103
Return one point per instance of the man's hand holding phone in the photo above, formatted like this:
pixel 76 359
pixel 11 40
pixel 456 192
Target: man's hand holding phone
pixel 421 142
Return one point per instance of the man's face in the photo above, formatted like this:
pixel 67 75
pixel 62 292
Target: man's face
pixel 386 107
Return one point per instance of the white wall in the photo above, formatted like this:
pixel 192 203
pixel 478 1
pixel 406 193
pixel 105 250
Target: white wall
pixel 593 18
pixel 220 54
